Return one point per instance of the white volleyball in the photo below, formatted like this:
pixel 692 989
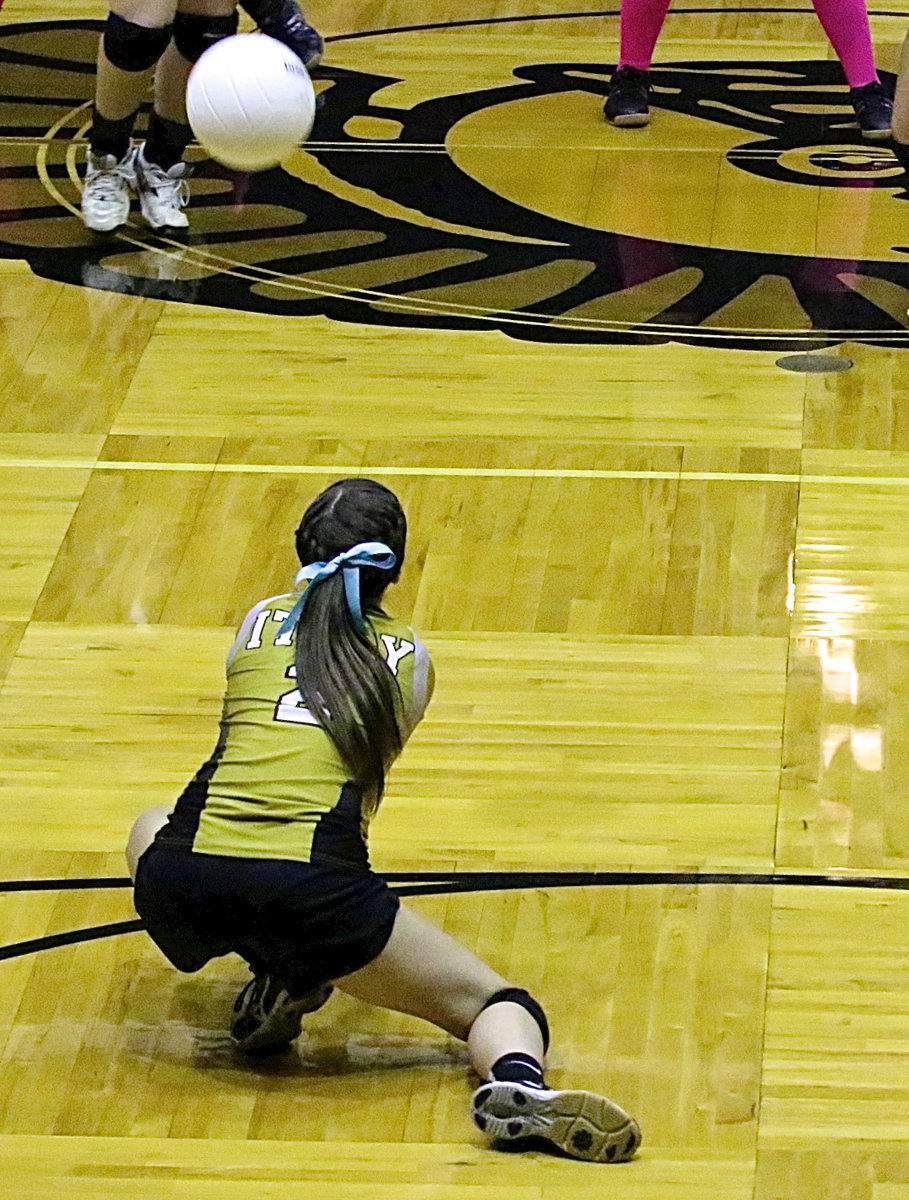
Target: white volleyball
pixel 250 101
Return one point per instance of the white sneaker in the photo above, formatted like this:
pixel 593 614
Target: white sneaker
pixel 105 192
pixel 162 194
pixel 581 1124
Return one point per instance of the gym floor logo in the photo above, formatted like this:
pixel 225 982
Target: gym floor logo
pixel 750 213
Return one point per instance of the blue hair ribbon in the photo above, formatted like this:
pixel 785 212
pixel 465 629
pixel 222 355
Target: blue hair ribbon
pixel 365 554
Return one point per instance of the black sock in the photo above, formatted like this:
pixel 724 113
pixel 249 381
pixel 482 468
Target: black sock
pixel 518 1068
pixel 110 137
pixel 166 141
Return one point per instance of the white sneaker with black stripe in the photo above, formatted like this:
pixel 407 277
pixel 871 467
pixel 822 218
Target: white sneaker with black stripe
pixel 106 191
pixel 163 194
pixel 580 1124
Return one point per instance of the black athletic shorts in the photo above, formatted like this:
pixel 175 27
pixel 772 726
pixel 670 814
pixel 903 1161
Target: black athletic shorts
pixel 304 923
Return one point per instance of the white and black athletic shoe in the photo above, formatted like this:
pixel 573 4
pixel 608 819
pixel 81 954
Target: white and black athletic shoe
pixel 581 1124
pixel 163 194
pixel 269 1017
pixel 106 191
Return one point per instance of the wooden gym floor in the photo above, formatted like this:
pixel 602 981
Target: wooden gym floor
pixel 663 577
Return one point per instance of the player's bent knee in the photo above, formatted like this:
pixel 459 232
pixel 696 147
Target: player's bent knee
pixel 142 834
pixel 132 47
pixel 524 999
pixel 193 34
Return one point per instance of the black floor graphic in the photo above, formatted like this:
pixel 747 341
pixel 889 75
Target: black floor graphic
pixel 394 231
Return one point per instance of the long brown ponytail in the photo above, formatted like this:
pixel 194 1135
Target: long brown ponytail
pixel 345 682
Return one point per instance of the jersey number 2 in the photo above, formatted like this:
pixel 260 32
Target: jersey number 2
pixel 291 707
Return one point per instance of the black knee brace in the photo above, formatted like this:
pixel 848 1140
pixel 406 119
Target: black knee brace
pixel 133 47
pixel 194 34
pixel 526 1001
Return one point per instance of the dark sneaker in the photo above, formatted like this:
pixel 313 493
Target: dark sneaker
pixel 268 1016
pixel 627 102
pixel 283 20
pixel 581 1124
pixel 873 111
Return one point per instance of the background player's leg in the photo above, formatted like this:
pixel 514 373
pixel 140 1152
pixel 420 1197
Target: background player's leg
pixel 127 56
pixel 142 834
pixel 198 25
pixel 846 24
pixel 629 89
pixel 641 22
pixel 160 171
pixel 134 38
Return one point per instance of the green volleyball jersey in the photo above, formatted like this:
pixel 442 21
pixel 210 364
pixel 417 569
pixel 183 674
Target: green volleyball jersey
pixel 276 786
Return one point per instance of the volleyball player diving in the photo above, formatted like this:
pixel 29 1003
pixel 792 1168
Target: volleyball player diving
pixel 845 22
pixel 265 852
pixel 162 39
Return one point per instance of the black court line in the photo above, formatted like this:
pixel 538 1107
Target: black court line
pixel 425 883
pixel 63 885
pixel 574 16
pixel 33 945
pixel 435 883
pixel 430 884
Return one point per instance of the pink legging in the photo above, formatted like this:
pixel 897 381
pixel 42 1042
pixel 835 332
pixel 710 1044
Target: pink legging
pixel 845 23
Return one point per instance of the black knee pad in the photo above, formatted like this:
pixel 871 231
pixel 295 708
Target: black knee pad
pixel 519 996
pixel 133 47
pixel 194 34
